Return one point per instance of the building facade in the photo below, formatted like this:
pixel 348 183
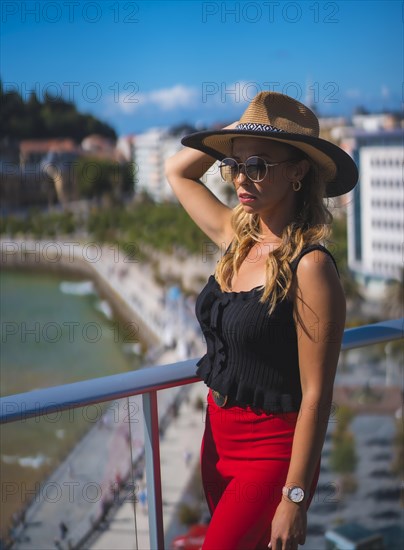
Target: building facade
pixel 382 208
pixel 375 208
pixel 151 150
pixel 149 163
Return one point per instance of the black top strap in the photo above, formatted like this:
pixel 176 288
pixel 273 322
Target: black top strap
pixel 310 248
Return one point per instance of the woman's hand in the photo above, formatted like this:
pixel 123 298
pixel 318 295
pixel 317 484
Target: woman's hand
pixel 288 526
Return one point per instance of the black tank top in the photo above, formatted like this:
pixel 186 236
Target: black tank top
pixel 251 356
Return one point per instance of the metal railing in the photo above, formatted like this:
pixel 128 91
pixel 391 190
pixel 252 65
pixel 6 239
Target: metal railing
pixel 147 382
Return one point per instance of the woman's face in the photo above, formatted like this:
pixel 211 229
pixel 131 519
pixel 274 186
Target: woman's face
pixel 275 190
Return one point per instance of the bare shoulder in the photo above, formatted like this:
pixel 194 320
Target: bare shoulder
pixel 319 296
pixel 316 263
pixel 317 277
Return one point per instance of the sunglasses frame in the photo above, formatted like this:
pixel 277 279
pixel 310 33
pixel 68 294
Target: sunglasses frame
pixel 245 169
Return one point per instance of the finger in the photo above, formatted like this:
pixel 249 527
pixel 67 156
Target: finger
pixel 270 545
pixel 290 544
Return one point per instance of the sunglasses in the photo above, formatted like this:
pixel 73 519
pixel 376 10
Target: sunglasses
pixel 255 168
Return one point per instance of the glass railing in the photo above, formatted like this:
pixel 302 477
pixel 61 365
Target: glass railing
pixel 116 468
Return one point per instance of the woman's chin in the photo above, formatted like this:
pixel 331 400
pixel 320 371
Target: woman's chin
pixel 249 206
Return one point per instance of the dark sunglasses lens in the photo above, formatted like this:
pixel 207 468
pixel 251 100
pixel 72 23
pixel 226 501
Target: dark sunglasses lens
pixel 256 168
pixel 228 169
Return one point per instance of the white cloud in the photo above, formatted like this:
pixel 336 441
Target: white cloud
pixel 164 99
pixel 209 95
pixel 171 98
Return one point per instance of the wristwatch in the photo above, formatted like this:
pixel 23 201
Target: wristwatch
pixel 295 493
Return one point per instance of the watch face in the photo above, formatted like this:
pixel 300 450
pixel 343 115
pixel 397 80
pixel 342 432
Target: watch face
pixel 296 494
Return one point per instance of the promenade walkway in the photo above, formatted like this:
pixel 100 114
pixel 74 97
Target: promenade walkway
pixel 179 450
pixel 84 488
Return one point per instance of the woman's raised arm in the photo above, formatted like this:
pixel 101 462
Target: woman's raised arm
pixel 183 172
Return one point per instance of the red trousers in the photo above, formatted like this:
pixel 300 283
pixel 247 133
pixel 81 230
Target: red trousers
pixel 245 459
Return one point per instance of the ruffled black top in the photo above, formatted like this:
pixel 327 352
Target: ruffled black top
pixel 251 356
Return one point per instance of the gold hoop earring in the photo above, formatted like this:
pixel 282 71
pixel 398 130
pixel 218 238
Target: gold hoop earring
pixel 297 185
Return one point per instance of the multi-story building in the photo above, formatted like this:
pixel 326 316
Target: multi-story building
pixel 149 163
pixel 151 150
pixel 375 208
pixel 382 210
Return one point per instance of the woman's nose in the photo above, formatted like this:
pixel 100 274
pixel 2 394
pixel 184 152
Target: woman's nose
pixel 241 177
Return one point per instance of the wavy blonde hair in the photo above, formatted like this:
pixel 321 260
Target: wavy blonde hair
pixel 311 226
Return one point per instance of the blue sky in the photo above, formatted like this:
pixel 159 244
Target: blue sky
pixel 140 64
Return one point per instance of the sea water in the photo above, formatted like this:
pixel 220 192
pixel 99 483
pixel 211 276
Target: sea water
pixel 53 331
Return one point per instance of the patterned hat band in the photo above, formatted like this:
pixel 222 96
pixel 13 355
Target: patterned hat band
pixel 255 127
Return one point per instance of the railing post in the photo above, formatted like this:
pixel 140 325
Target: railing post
pixel 153 472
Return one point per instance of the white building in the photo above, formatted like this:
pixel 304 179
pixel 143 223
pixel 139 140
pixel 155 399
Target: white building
pixel 376 206
pixel 151 150
pixel 382 210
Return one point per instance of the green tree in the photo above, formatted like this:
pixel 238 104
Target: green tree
pixel 33 108
pixel 339 248
pixel 398 462
pixel 50 118
pixel 188 515
pixel 343 458
pixel 393 302
pixel 96 177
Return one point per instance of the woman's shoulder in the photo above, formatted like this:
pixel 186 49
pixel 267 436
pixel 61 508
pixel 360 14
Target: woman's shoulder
pixel 317 289
pixel 317 281
pixel 314 258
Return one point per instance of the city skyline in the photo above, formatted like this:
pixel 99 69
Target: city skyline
pixel 138 65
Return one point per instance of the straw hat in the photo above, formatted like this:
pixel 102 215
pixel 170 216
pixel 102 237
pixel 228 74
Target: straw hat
pixel 278 117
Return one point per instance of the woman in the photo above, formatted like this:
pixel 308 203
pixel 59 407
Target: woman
pixel 273 317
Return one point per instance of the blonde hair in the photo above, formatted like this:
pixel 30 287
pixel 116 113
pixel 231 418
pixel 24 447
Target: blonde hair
pixel 310 226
